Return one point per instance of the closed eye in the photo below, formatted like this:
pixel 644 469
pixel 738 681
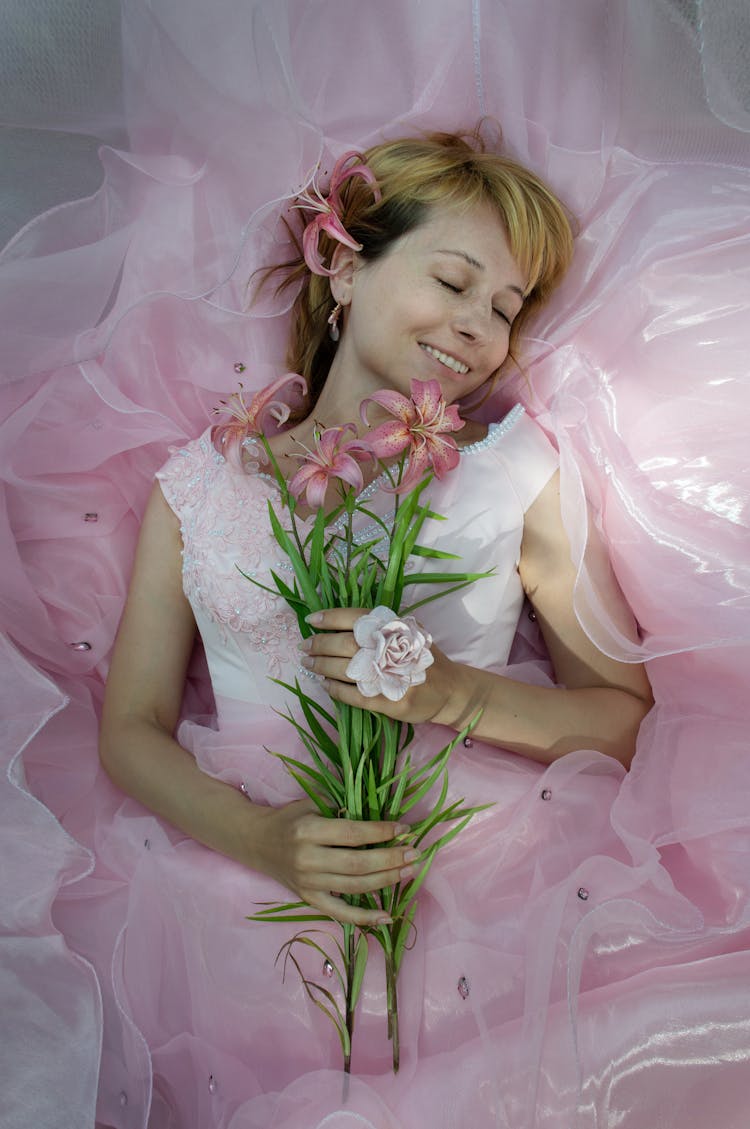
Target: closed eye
pixel 459 290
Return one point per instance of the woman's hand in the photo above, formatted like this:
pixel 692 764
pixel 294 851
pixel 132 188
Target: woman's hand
pixel 329 652
pixel 319 858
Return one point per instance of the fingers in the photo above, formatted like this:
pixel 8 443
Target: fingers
pixel 368 884
pixel 342 911
pixel 349 871
pixel 335 644
pixel 329 855
pixel 336 619
pixel 327 667
pixel 353 832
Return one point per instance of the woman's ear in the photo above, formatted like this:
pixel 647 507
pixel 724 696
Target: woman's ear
pixel 343 265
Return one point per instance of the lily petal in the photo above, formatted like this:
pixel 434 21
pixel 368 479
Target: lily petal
pixel 442 454
pixel 393 402
pixel 416 468
pixel 300 478
pixel 310 250
pixel 427 396
pixel 329 440
pixel 340 173
pixel 265 403
pixel 334 227
pixel 345 468
pixel 314 481
pixel 454 419
pixel 389 439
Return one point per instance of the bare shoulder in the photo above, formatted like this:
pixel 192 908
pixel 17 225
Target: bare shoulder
pixel 548 576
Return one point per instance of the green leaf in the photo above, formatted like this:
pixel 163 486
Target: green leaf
pixel 295 559
pixel 325 780
pixel 402 935
pixel 334 1015
pixel 282 917
pixel 413 887
pixel 323 808
pixel 394 806
pixel 463 578
pixel 306 700
pixel 357 974
pixel 415 793
pixel 454 831
pixel 372 791
pixel 438 554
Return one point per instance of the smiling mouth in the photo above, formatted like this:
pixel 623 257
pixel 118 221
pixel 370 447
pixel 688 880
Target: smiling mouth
pixel 446 359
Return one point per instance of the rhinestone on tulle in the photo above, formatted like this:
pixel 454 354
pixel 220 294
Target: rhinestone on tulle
pixel 239 368
pixel 123 1099
pixel 212 1084
pixel 583 894
pixel 468 743
pixel 82 646
pixel 532 615
pixel 243 788
pixel 546 793
pixel 327 969
pixel 463 988
pixel 91 516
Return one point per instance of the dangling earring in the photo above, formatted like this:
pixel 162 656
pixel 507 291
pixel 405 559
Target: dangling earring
pixel 333 322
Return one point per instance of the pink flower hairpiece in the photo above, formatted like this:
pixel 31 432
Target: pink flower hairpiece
pixel 330 208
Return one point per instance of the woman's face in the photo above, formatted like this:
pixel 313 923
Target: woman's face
pixel 438 305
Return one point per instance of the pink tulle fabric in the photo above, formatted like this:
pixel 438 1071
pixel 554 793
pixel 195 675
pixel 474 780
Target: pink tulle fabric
pixel 604 933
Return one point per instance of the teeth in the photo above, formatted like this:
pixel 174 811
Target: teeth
pixel 445 359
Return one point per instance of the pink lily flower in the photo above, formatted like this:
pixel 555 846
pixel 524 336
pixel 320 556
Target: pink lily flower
pixel 250 420
pixel 334 457
pixel 329 210
pixel 420 425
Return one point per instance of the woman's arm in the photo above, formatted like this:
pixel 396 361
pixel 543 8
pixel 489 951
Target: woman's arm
pixel 600 707
pixel 308 854
pixel 603 701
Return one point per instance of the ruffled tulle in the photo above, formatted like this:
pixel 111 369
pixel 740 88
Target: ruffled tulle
pixel 123 317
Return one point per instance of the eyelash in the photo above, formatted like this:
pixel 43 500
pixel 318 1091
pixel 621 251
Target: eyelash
pixel 458 290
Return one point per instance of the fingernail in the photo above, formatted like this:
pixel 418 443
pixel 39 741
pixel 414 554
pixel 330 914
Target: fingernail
pixel 401 828
pixel 305 645
pixel 407 872
pixel 307 662
pixel 411 855
pixel 384 920
pixel 314 618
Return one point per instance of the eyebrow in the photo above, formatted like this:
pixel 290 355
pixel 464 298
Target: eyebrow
pixel 480 266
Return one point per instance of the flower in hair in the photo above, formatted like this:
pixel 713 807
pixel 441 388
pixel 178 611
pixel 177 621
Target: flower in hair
pixel 330 208
pixel 251 420
pixel 334 457
pixel 421 424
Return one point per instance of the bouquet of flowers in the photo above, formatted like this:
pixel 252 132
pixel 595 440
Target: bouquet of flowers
pixel 360 766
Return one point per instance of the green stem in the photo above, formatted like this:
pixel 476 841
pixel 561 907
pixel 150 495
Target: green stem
pixel 349 1007
pixel 391 979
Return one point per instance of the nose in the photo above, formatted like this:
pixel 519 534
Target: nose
pixel 472 321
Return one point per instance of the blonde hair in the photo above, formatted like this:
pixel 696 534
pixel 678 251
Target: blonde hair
pixel 415 174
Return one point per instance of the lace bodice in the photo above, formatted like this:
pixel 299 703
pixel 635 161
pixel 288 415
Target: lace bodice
pixel 251 636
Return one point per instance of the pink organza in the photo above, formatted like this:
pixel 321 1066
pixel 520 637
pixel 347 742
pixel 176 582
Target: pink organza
pixel 123 316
